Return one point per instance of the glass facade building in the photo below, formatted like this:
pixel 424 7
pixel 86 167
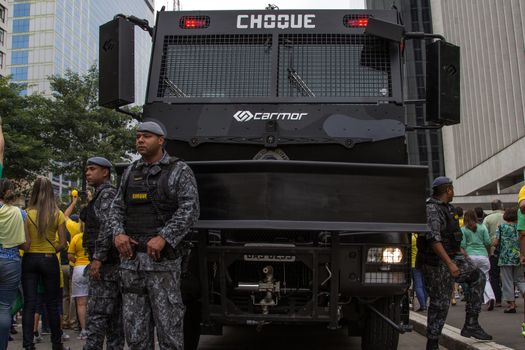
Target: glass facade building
pixel 52 36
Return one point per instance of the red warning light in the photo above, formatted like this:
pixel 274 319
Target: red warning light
pixel 194 22
pixel 357 22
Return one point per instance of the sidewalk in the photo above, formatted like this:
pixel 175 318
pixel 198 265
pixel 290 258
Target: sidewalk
pixel 504 328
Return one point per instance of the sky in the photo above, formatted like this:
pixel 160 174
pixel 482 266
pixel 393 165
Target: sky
pixel 188 5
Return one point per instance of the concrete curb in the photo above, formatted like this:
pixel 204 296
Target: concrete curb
pixel 451 337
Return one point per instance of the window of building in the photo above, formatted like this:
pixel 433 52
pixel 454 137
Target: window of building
pixel 19 73
pixel 20 41
pixel 2 36
pixel 2 59
pixel 21 10
pixel 3 14
pixel 20 25
pixel 19 57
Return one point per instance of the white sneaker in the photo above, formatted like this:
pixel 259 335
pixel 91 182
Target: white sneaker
pixel 82 335
pixel 65 337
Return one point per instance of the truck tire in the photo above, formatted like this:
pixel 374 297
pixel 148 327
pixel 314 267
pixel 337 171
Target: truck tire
pixel 377 334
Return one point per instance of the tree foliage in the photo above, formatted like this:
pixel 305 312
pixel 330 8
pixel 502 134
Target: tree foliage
pixel 62 132
pixel 26 122
pixel 82 129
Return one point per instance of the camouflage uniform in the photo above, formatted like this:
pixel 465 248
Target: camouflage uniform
pixel 438 280
pixel 439 284
pixel 104 309
pixel 151 289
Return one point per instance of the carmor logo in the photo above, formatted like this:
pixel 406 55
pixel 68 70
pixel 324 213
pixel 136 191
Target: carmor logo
pixel 245 116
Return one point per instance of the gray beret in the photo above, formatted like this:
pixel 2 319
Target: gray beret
pixel 100 161
pixel 151 127
pixel 441 180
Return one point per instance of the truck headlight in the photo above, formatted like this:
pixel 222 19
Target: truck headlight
pixel 392 255
pixel 389 255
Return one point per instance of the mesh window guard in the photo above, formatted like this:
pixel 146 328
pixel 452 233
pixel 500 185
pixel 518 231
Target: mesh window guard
pixel 333 65
pixel 220 66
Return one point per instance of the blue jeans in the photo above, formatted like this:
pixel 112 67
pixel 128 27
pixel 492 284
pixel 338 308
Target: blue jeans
pixel 10 271
pixel 419 287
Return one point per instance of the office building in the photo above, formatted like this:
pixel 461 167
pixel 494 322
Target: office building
pixel 3 37
pixel 485 154
pixel 51 36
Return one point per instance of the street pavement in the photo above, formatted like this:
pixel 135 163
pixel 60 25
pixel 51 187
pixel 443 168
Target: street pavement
pixel 270 338
pixel 505 328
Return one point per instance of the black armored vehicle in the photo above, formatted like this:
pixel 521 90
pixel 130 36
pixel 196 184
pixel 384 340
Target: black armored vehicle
pixel 294 124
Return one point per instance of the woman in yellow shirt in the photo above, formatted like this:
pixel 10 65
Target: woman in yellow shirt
pixel 40 262
pixel 12 235
pixel 79 282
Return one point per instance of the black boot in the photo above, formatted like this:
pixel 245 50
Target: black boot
pixel 432 344
pixel 473 329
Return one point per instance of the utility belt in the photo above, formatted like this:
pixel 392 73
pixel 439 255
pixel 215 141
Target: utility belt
pixel 432 259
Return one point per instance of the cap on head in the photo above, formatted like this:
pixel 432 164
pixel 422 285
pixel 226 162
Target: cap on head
pixel 441 180
pixel 100 161
pixel 74 217
pixel 151 127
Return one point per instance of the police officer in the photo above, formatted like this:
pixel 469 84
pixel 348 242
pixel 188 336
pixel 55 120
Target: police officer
pixel 155 207
pixel 442 262
pixel 104 313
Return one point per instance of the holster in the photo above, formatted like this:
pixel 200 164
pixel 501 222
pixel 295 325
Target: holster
pixel 167 253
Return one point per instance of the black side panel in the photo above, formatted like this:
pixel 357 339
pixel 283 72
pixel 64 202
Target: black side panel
pixel 443 88
pixel 327 132
pixel 310 191
pixel 370 152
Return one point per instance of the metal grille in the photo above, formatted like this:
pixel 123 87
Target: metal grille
pixel 216 66
pixel 386 277
pixel 334 65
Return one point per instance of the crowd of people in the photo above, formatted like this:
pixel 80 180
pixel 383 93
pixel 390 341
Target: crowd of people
pixel 483 254
pixel 116 255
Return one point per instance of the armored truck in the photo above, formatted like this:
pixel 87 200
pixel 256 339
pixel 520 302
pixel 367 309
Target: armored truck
pixel 293 122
